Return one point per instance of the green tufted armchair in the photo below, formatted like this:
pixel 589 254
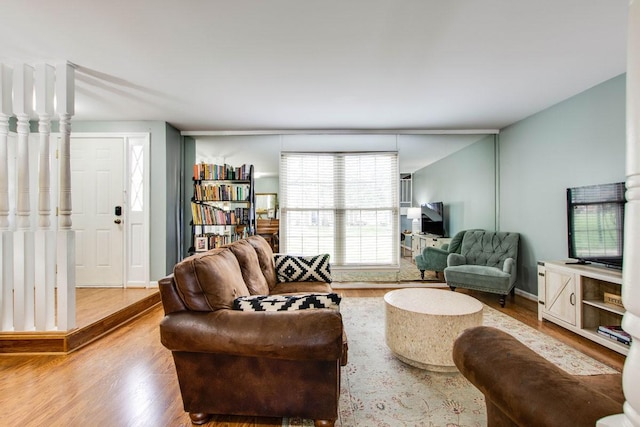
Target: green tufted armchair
pixel 435 259
pixel 486 262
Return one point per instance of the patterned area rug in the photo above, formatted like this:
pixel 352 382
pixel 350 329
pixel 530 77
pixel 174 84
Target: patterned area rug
pixel 408 273
pixel 379 390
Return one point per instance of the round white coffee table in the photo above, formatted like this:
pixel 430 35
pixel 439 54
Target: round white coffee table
pixel 422 324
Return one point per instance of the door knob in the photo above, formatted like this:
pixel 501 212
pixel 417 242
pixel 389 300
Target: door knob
pixel 117 221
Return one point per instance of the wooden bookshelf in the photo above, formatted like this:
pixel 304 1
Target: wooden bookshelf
pixel 222 205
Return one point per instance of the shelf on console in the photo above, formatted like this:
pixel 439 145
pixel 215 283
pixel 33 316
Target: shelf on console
pixel 605 306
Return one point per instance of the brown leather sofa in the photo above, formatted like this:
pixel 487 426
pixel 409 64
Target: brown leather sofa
pixel 521 388
pixel 263 363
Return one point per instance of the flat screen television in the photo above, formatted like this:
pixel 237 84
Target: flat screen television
pixel 433 218
pixel 595 216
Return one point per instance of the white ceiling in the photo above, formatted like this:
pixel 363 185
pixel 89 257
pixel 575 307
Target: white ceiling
pixel 331 64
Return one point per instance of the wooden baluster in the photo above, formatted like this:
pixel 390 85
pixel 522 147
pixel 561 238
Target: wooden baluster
pixel 24 263
pixel 65 87
pixel 631 267
pixel 45 237
pixel 631 273
pixel 6 235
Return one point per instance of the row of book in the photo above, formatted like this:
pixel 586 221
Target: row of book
pixel 212 192
pixel 212 171
pixel 616 333
pixel 204 242
pixel 203 214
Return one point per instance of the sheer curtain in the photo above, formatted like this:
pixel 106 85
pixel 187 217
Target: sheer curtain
pixel 343 204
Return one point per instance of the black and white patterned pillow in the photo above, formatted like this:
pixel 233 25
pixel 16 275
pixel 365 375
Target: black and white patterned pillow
pixel 291 268
pixel 286 302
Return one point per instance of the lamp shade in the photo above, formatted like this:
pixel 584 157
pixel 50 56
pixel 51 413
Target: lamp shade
pixel 413 213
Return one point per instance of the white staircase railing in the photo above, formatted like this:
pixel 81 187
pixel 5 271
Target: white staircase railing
pixel 37 262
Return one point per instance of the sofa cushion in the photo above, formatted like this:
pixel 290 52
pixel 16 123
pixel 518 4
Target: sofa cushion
pixel 301 288
pixel 209 281
pixel 287 302
pixel 265 258
pixel 483 278
pixel 290 268
pixel 489 248
pixel 250 267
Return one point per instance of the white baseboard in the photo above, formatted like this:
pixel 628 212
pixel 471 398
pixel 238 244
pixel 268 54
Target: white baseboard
pixel 385 285
pixel 142 285
pixel 526 295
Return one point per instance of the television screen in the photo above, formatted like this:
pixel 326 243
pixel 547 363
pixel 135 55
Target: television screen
pixel 433 218
pixel 595 217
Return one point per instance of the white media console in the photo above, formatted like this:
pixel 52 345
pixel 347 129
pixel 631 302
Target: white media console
pixel 573 296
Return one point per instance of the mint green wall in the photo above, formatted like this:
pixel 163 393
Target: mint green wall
pixel 465 182
pixel 165 161
pixel 270 184
pixel 580 141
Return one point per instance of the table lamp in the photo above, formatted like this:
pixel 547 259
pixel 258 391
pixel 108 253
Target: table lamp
pixel 414 214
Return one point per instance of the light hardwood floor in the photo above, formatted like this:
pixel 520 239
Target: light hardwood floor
pixel 98 311
pixel 127 377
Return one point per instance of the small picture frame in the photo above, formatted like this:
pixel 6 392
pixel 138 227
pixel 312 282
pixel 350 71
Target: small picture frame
pixel 201 244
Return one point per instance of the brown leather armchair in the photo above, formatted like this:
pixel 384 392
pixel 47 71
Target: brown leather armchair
pixel 272 364
pixel 521 388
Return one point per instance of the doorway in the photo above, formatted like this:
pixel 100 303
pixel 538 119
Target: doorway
pixel 110 185
pixel 98 199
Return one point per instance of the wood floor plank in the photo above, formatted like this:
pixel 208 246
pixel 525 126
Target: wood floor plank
pixel 127 378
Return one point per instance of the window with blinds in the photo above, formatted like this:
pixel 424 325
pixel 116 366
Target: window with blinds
pixel 343 204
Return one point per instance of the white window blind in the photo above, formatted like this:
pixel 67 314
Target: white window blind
pixel 343 204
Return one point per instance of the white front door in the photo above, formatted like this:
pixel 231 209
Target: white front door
pixel 97 189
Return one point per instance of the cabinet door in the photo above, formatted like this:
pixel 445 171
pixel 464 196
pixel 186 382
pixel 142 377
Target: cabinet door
pixel 415 245
pixel 560 295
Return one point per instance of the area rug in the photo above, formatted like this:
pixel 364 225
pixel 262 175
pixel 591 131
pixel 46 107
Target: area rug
pixel 408 272
pixel 378 390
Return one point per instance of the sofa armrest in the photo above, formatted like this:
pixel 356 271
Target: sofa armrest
pixel 509 266
pixel 525 388
pixel 431 251
pixel 293 335
pixel 171 301
pixel 435 258
pixel 454 259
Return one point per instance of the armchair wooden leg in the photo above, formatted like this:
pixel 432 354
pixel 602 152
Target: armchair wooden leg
pixel 422 274
pixel 503 299
pixel 453 288
pixel 198 418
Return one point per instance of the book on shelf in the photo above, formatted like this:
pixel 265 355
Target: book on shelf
pixel 224 192
pixel 203 214
pixel 615 332
pixel 208 171
pixel 615 338
pixel 213 240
